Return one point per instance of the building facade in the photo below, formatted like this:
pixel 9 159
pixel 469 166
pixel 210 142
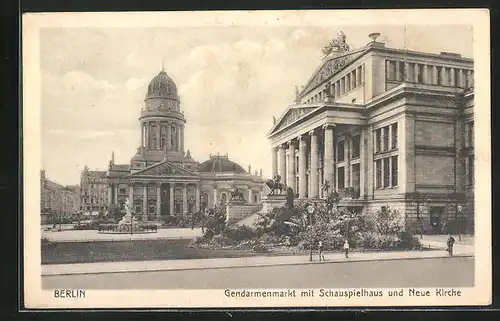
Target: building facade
pixel 94 192
pixel 162 177
pixel 57 201
pixel 383 127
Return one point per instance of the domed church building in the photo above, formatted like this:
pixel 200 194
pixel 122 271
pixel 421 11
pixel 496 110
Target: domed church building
pixel 162 177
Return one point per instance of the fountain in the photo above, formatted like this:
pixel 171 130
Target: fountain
pixel 128 224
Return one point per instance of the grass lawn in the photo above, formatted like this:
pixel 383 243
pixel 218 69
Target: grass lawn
pixel 137 250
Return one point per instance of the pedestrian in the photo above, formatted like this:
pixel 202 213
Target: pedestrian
pixel 320 251
pixel 346 248
pixel 450 242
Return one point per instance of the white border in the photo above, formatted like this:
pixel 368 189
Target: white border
pixel 36 298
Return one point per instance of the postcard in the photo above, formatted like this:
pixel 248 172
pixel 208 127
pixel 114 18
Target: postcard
pixel 241 159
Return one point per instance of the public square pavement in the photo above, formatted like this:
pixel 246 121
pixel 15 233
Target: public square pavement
pixel 93 235
pixel 432 272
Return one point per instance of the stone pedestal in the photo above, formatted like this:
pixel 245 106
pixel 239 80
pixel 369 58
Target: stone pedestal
pixel 272 201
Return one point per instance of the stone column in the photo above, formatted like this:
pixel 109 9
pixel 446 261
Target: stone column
pixel 461 82
pixel 452 77
pixel 169 136
pixel 434 75
pixel 328 158
pixel 302 166
pixel 110 194
pixel 407 72
pixel 459 164
pixel 398 71
pixel 158 139
pixel 282 156
pixel 197 197
pixel 182 138
pixel 115 191
pixel 469 79
pixel 314 165
pixel 274 164
pixel 131 195
pixel 362 162
pixel 250 196
pixel 416 71
pixel 184 200
pixel 291 165
pixel 142 134
pixel 171 199
pixel 178 138
pixel 158 200
pixel 145 202
pixel 215 195
pixel 443 77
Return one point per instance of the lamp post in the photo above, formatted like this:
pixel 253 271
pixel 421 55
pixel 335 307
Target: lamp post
pixel 459 220
pixel 310 210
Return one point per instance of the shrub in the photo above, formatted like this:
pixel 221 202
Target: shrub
pixel 388 221
pixel 222 240
pixel 408 241
pixel 239 233
pixel 170 220
pixel 149 227
pixel 260 248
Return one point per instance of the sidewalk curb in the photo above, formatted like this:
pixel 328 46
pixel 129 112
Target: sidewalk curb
pixel 165 269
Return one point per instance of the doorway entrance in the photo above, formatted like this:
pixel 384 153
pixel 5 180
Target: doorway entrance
pixel 165 199
pixel 436 215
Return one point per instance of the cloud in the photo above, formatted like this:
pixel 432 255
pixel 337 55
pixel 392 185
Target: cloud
pixel 136 83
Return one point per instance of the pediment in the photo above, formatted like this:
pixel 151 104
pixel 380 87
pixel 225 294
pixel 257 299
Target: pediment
pixel 292 115
pixel 328 68
pixel 164 168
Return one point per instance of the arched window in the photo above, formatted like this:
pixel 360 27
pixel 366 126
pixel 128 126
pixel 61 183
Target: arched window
pixel 255 198
pixel 223 198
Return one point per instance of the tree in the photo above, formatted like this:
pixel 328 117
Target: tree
pixel 215 221
pixel 115 212
pixel 388 221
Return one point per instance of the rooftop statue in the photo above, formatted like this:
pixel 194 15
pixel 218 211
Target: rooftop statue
pixel 337 45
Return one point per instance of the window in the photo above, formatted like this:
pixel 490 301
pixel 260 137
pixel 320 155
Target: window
pixel 138 208
pixel 137 190
pixel 377 140
pixel 470 170
pixel 394 136
pixel 385 138
pixel 470 134
pixel 151 190
pixel 394 171
pixel 341 177
pixel 439 76
pixel 123 191
pixel 356 145
pixel 378 173
pixel 386 172
pixel 151 207
pixel 340 151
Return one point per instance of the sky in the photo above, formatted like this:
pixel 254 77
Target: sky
pixel 231 81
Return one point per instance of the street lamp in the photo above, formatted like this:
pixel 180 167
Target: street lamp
pixel 459 227
pixel 310 210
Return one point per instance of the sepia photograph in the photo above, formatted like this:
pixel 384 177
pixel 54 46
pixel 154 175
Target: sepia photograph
pixel 272 158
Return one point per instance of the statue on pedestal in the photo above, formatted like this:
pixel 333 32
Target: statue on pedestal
pixel 275 185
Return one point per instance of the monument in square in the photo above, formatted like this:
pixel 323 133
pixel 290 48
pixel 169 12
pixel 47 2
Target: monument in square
pixel 127 224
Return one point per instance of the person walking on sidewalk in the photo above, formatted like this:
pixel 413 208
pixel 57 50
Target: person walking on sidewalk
pixel 346 248
pixel 450 242
pixel 320 251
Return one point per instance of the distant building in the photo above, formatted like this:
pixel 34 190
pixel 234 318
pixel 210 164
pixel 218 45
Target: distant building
pixel 94 192
pixel 385 127
pixel 163 178
pixel 56 200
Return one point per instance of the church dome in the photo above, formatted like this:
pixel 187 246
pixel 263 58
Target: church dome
pixel 220 164
pixel 161 86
